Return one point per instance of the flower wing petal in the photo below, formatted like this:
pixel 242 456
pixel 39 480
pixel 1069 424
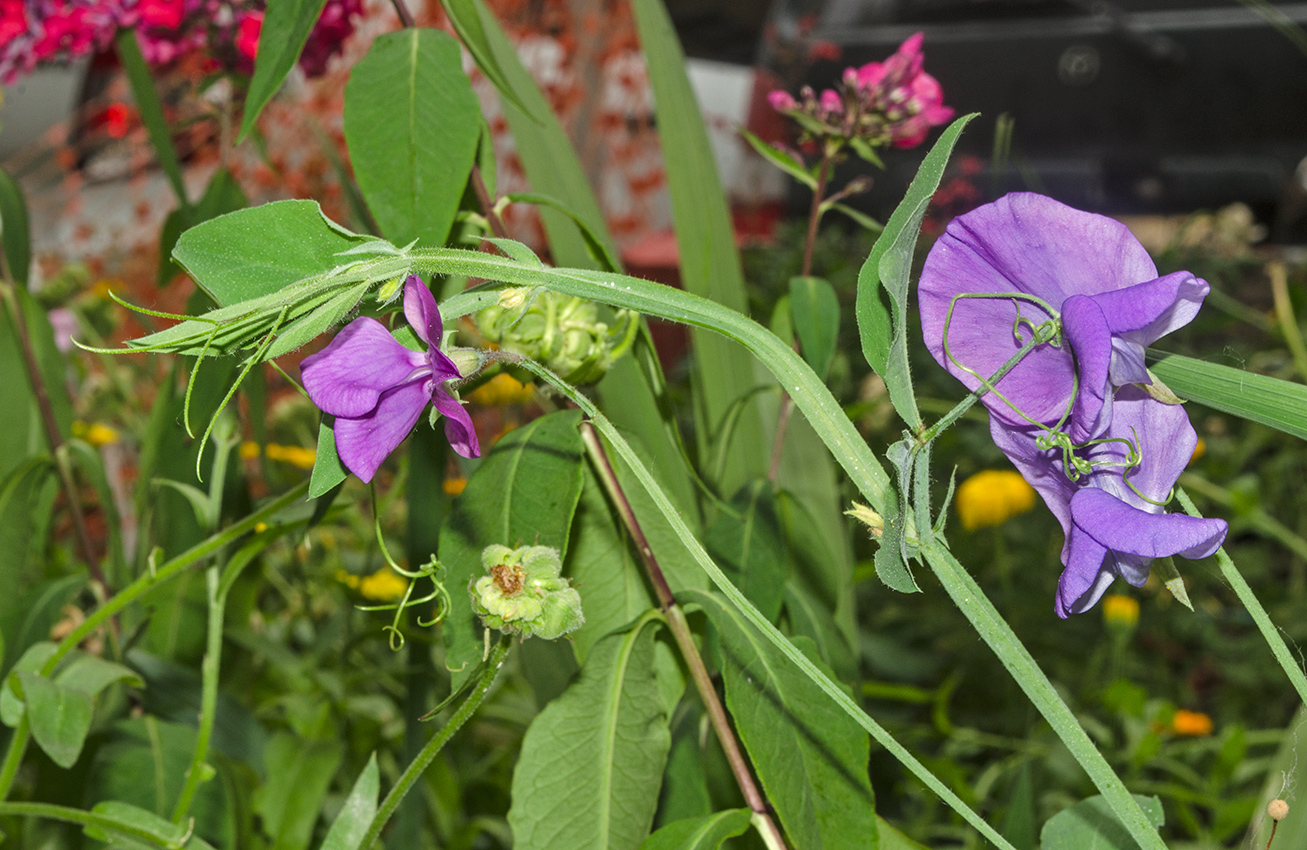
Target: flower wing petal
pixel 1132 531
pixel 1087 331
pixel 459 430
pixel 421 311
pixel 1150 310
pixel 363 443
pixel 348 376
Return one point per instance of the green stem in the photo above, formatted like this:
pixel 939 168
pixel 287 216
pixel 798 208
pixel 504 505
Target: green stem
pixel 415 769
pixel 1258 519
pixel 85 818
pixel 966 404
pixel 195 774
pixel 1245 593
pixel 1284 312
pixel 14 756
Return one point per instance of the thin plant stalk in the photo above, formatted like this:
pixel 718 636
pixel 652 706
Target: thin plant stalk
pixel 209 669
pixel 680 629
pixel 428 754
pixel 1263 620
pixel 1284 312
pixel 85 818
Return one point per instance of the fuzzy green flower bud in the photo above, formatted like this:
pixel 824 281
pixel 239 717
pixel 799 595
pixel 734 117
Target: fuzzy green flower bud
pixel 525 594
pixel 561 331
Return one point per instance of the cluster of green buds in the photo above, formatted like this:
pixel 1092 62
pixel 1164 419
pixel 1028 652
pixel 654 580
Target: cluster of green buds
pixel 561 331
pixel 525 594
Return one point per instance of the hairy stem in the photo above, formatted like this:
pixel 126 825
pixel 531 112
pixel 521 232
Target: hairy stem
pixel 680 629
pixel 415 769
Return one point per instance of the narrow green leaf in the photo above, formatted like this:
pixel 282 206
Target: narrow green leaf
pixel 705 833
pixel 164 832
pixel 328 471
pixel 884 333
pixel 60 717
pixel 782 159
pixel 517 251
pixel 524 493
pixel 602 256
pixel 466 16
pixel 592 761
pixel 749 547
pixel 150 108
pixel 860 218
pixel 1019 822
pixel 601 562
pixel 299 772
pixel 258 251
pixel 13 229
pixel 816 311
pixel 810 756
pixel 892 556
pixel 1091 825
pixel 709 261
pixel 286 27
pixel 411 123
pixel 41 607
pixel 356 815
pixel 1173 581
pixel 810 619
pixel 1270 401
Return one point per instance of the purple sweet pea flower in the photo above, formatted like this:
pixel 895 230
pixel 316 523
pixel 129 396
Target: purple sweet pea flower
pixel 377 389
pixel 1112 531
pixel 1086 267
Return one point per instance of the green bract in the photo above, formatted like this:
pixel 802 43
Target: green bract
pixel 561 331
pixel 524 593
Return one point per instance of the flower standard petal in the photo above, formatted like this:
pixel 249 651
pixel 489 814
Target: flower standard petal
pixel 421 311
pixel 364 442
pixel 459 430
pixel 348 376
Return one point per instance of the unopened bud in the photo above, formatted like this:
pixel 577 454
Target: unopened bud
pixel 524 593
pixel 862 513
pixel 1277 810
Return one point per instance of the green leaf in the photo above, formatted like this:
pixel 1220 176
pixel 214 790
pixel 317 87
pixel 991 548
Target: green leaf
pixel 286 27
pixel 60 717
pixel 782 159
pixel 709 261
pixel 810 756
pixel 12 707
pixel 482 42
pixel 1091 825
pixel 1270 401
pixel 258 251
pixel 523 493
pixel 816 311
pixel 884 334
pixel 299 772
pixel 592 761
pixel 14 234
pixel 601 255
pixel 601 562
pixel 892 839
pixel 165 832
pixel 20 508
pixel 809 618
pixel 749 547
pixel 328 471
pixel 150 107
pixel 20 420
pixel 1019 822
pixel 706 833
pixel 349 827
pixel 91 674
pixel 40 608
pixel 412 123
pixel 860 218
pixel 223 195
pixel 892 555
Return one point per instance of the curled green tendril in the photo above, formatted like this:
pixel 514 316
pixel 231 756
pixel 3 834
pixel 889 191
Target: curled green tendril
pixel 432 569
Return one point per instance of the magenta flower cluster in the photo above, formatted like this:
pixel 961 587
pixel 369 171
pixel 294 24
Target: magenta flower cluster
pixel 893 102
pixel 38 32
pixel 377 389
pixel 1073 415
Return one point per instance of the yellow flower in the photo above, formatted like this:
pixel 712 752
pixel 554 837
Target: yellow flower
pixel 1199 450
pixel 1120 610
pixel 454 486
pixel 1194 724
pixel 249 450
pixel 294 455
pixel 385 585
pixel 502 389
pixel 95 433
pixel 992 497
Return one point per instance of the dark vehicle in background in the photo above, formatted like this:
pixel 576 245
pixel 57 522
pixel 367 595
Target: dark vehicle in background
pixel 1137 106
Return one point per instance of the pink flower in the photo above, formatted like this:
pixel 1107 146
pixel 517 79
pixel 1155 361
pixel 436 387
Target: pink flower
pixel 333 27
pixel 781 100
pixel 13 20
pixel 247 35
pixel 161 13
pixel 832 102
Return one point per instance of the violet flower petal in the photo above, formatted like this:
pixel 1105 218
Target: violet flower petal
pixel 1090 339
pixel 365 442
pixel 348 376
pixel 459 431
pixel 421 311
pixel 1139 315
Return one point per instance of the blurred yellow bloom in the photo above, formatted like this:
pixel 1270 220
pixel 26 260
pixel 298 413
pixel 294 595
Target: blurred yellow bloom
pixel 385 585
pixel 1120 610
pixel 1194 724
pixel 453 486
pixel 1199 450
pixel 992 497
pixel 294 455
pixel 95 433
pixel 502 389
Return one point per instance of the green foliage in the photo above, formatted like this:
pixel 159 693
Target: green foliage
pixel 286 27
pixel 705 833
pixel 1277 403
pixel 349 827
pixel 411 124
pixel 299 772
pixel 746 541
pixel 1090 825
pixel 14 236
pixel 816 311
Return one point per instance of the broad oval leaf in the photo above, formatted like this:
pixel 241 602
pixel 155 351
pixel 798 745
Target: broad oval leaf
pixel 1092 825
pixel 705 833
pixel 411 123
pixel 810 756
pixel 60 717
pixel 592 761
pixel 523 493
pixel 286 27
pixel 12 707
pixel 816 311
